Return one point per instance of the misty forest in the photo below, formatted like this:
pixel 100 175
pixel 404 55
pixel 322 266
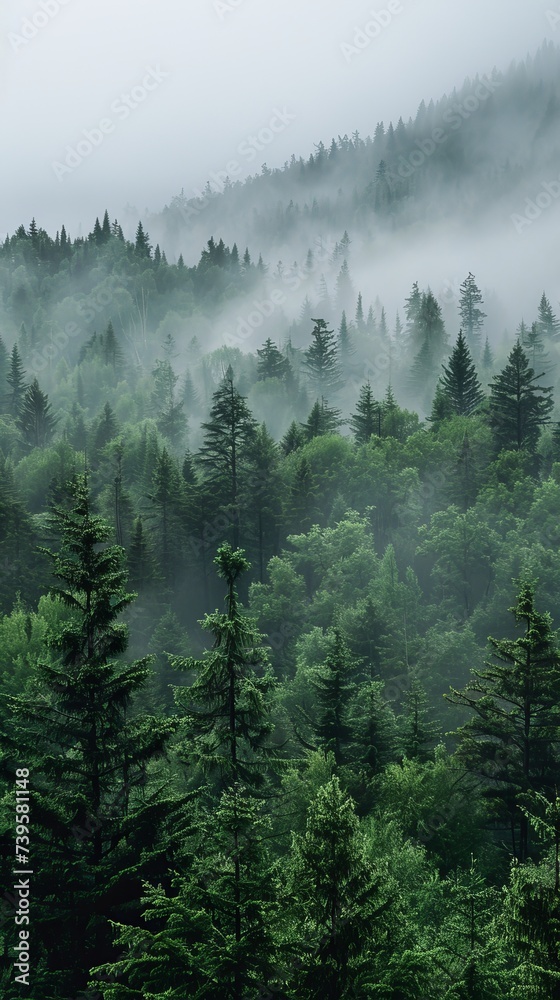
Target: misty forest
pixel 279 580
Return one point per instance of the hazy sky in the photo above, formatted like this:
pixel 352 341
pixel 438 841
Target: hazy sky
pixel 184 87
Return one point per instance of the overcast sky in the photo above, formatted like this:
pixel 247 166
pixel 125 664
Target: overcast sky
pixel 184 87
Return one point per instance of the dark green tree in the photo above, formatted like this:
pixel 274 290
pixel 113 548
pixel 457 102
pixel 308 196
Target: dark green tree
pixel 88 754
pixel 323 419
pixel 460 382
pixel 271 363
pixel 225 452
pixel 548 323
pixel 519 407
pixel 367 419
pixel 36 419
pixel 512 741
pixel 16 383
pixel 321 359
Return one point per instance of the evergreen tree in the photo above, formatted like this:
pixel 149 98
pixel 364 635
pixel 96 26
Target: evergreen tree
pixel 460 382
pixel 472 317
pixel 36 419
pixel 225 451
pixel 16 383
pixel 142 243
pixel 417 735
pixel 293 439
pixel 412 314
pixel 271 363
pixel 321 359
pixel 337 910
pixel 548 323
pixel 367 418
pixel 107 429
pixel 323 419
pixel 512 741
pixel 88 755
pixel 344 342
pixel 227 708
pixel 360 322
pixel 487 357
pixel 519 407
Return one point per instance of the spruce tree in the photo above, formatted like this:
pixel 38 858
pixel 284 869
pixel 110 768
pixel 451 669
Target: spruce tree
pixel 368 416
pixel 512 741
pixel 519 407
pixel 323 419
pixel 36 418
pixel 271 363
pixel 460 382
pixel 88 753
pixel 548 323
pixel 142 243
pixel 338 911
pixel 16 383
pixel 225 452
pixel 321 359
pixel 472 317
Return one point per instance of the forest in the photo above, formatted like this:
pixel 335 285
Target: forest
pixel 279 666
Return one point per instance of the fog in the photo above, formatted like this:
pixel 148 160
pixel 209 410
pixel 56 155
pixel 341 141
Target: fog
pixel 218 72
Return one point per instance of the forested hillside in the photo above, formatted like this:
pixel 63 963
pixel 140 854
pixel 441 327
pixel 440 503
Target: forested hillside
pixel 279 580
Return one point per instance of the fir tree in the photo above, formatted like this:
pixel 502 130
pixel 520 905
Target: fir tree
pixel 142 243
pixel 89 755
pixel 367 418
pixel 36 418
pixel 472 317
pixel 321 359
pixel 16 383
pixel 460 382
pixel 548 323
pixel 323 419
pixel 271 363
pixel 225 450
pixel 512 740
pixel 519 407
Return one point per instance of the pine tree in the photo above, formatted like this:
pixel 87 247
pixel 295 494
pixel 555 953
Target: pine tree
pixel 107 428
pixel 165 501
pixel 429 326
pixel 487 357
pixel 112 354
pixel 460 382
pixel 36 418
pixel 321 359
pixel 228 706
pixel 225 451
pixel 412 313
pixel 345 294
pixel 271 363
pixel 337 906
pixel 367 418
pixel 323 419
pixel 360 322
pixel 142 243
pixel 519 407
pixel 16 383
pixel 344 342
pixel 293 439
pixel 417 735
pixel 88 754
pixel 513 739
pixel 472 317
pixel 548 323
pixel 333 686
